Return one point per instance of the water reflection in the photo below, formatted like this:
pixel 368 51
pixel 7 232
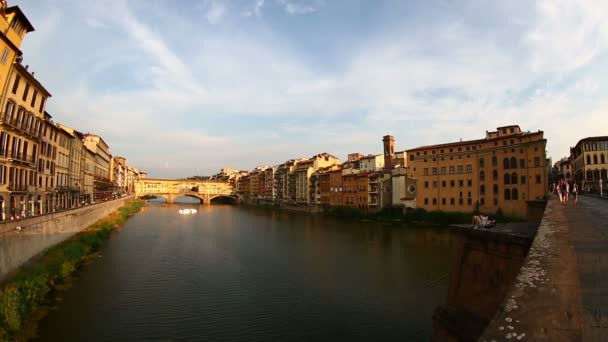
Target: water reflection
pixel 243 274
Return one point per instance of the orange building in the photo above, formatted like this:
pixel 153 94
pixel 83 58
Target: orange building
pixel 349 192
pixel 502 171
pixel 335 188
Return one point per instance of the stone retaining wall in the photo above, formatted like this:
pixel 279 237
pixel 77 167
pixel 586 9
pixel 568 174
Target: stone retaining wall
pixel 20 240
pixel 544 302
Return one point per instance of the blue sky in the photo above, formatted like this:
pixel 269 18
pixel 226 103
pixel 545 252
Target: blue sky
pixel 187 87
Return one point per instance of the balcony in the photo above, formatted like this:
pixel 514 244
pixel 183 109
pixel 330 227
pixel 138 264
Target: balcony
pixel 18 188
pixel 19 156
pixel 21 126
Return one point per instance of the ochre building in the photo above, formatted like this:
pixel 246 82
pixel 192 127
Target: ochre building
pixel 589 159
pixel 502 171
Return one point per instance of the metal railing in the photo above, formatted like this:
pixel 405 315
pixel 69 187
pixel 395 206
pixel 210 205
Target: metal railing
pixel 17 187
pixel 19 156
pixel 13 122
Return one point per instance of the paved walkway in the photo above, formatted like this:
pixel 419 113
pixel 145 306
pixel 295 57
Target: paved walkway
pixel 588 226
pixel 561 293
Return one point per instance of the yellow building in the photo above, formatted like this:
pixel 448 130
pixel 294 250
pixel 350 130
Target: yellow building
pixel 75 182
pixel 14 26
pixel 305 169
pixel 20 132
pixel 47 166
pixel 118 174
pixel 589 160
pixel 87 174
pixel 66 197
pixel 501 171
pixel 102 185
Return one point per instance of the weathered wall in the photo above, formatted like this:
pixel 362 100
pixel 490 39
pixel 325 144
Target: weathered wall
pixel 484 266
pixel 41 232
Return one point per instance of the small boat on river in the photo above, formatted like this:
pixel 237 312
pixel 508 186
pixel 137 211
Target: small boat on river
pixel 187 211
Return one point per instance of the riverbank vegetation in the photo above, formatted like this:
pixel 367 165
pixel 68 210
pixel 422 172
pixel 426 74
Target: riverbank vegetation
pixel 27 289
pixel 401 215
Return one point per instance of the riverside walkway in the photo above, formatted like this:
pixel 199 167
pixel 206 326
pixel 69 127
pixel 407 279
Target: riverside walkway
pixel 561 293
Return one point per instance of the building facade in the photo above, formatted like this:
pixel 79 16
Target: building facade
pixel 589 159
pixel 20 139
pixel 500 172
pixel 103 187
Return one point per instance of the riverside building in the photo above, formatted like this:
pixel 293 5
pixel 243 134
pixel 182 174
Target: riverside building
pixel 20 138
pixel 502 171
pixel 589 159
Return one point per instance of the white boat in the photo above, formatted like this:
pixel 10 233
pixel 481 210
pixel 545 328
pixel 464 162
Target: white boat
pixel 187 211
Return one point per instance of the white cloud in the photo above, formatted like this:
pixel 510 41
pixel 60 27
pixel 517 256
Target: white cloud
pixel 568 34
pixel 294 7
pixel 215 12
pixel 257 8
pixel 429 84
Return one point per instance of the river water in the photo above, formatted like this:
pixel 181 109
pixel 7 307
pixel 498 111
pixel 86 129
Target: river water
pixel 230 273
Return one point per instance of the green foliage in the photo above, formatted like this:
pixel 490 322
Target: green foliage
pixel 33 292
pixel 9 309
pixel 24 293
pixel 401 214
pixel 502 218
pixel 344 212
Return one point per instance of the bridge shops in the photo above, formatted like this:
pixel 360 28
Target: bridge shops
pixel 169 189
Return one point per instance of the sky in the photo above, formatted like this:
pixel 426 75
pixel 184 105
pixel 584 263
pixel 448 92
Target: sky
pixel 184 88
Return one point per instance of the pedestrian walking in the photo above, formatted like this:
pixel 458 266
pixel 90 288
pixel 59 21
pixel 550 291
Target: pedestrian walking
pixel 575 193
pixel 558 189
pixel 566 192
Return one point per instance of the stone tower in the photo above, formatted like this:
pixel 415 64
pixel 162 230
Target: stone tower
pixel 389 151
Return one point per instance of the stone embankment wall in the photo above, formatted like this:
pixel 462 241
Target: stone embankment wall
pixel 484 266
pixel 20 240
pixel 544 303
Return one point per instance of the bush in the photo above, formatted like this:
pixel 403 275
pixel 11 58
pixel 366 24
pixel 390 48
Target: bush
pixel 9 309
pixel 345 212
pixel 33 292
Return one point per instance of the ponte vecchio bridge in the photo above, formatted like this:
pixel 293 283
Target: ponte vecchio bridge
pixel 172 189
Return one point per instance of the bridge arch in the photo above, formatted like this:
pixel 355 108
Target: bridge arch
pixel 200 198
pixel 222 199
pixel 156 196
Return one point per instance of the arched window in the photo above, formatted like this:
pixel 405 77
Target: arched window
pixel 495 175
pixel 595 159
pixel 505 163
pixel 588 159
pixel 507 194
pixel 496 189
pixel 494 161
pixel 514 195
pixel 482 176
pixel 514 178
pixel 507 178
pixel 482 189
pixel 513 163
